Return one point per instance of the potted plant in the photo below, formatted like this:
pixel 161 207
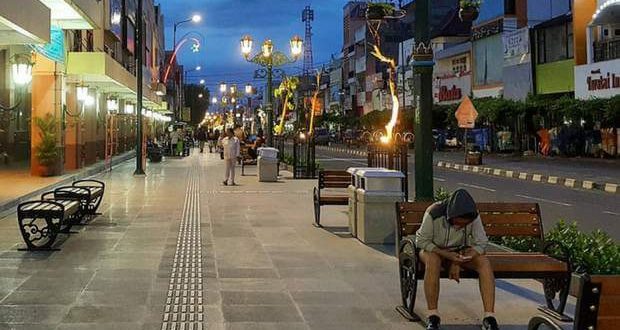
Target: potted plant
pixel 379 11
pixel 46 152
pixel 469 10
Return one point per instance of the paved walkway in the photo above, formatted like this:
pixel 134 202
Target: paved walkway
pixel 176 250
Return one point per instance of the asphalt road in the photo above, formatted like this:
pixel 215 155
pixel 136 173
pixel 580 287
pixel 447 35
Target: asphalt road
pixel 591 209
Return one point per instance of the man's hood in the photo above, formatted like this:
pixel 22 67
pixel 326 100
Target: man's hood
pixel 459 204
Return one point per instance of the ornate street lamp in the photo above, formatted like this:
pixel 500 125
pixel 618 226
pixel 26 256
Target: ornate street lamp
pixel 223 87
pixel 268 59
pixel 21 69
pixel 248 89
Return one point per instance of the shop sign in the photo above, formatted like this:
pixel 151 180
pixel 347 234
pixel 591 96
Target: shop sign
pixel 598 80
pixel 55 49
pixel 516 47
pixel 451 88
pixel 487 30
pixel 452 94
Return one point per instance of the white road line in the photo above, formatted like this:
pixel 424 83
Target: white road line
pixel 476 187
pixel 439 179
pixel 543 200
pixel 612 213
pixel 338 159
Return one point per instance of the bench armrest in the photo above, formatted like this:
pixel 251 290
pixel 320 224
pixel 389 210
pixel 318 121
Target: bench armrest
pixel 407 243
pixel 565 252
pixel 89 183
pixel 48 195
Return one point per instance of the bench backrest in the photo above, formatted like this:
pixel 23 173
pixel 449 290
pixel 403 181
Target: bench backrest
pixel 334 179
pixel 499 219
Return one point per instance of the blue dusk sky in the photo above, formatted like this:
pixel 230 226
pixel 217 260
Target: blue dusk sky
pixel 224 22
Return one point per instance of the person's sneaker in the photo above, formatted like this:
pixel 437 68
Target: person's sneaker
pixel 489 323
pixel 225 183
pixel 433 322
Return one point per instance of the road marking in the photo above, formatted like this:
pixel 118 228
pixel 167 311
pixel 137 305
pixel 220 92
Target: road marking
pixel 439 179
pixel 543 200
pixel 612 213
pixel 476 187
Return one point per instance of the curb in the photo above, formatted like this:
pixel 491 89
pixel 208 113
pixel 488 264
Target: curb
pixel 612 188
pixel 98 168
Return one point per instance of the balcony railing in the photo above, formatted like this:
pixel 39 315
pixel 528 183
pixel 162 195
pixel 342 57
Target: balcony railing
pixel 606 50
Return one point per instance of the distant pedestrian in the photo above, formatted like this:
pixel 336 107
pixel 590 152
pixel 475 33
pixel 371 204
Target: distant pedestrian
pixel 201 136
pixel 174 140
pixel 231 148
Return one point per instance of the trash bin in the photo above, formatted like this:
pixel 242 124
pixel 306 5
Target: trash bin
pixel 377 194
pixel 267 164
pixel 355 183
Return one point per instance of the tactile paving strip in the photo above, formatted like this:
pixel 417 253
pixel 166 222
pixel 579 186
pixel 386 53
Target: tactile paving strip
pixel 184 302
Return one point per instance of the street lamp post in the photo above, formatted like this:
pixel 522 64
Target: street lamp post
pixel 270 60
pixel 423 79
pixel 194 18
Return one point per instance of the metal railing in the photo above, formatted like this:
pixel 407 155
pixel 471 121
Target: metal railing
pixel 392 157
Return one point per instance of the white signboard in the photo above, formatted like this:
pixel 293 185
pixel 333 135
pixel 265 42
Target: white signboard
pixel 516 46
pixel 597 80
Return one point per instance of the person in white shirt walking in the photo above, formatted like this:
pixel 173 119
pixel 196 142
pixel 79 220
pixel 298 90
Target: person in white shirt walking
pixel 231 147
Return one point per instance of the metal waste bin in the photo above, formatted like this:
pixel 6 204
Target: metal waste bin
pixel 377 194
pixel 267 164
pixel 351 190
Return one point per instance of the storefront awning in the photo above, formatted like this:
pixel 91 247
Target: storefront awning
pixel 24 22
pixel 607 13
pixel 74 14
pixel 100 70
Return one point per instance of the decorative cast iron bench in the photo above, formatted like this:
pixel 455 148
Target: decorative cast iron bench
pixel 500 220
pixel 41 221
pixel 330 179
pixel 96 188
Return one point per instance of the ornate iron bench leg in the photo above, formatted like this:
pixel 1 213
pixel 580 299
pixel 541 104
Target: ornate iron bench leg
pixel 317 209
pixel 408 262
pixel 537 321
pixel 559 287
pixel 39 233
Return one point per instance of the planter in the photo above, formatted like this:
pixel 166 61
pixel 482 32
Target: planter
pixel 47 171
pixel 473 158
pixel 469 14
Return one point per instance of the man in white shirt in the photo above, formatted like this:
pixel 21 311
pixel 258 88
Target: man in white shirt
pixel 231 147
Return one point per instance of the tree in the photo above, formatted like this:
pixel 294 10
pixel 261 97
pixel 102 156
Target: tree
pixel 198 105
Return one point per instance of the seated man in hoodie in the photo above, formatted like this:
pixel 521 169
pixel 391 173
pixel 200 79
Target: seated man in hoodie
pixel 452 234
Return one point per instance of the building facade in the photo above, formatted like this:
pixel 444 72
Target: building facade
pixel 82 54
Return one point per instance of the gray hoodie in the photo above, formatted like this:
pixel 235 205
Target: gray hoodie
pixel 436 231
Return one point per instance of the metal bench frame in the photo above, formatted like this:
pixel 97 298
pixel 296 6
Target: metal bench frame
pixel 498 222
pixel 56 218
pixel 95 198
pixel 329 179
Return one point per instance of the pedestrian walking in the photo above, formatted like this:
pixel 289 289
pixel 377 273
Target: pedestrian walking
pixel 231 148
pixel 174 140
pixel 201 136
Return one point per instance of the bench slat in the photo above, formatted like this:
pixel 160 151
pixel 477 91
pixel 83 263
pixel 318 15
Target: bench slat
pixel 336 184
pixel 495 231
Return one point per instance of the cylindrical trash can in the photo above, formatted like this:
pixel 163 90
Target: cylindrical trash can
pixel 377 194
pixel 351 190
pixel 267 164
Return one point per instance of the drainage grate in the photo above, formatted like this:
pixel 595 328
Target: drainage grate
pixel 184 302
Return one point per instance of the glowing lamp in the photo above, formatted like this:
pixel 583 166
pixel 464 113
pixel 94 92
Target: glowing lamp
pixel 82 93
pixel 297 46
pixel 200 95
pixel 223 87
pixel 248 89
pixel 112 105
pixel 89 101
pixel 129 109
pixel 21 70
pixel 267 48
pixel 214 100
pixel 196 18
pixel 246 45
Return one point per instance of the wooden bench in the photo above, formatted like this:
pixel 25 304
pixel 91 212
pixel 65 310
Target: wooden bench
pixel 41 221
pixel 500 220
pixel 97 189
pixel 330 179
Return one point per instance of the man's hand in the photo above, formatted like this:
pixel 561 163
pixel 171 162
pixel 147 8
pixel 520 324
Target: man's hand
pixel 455 272
pixel 456 257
